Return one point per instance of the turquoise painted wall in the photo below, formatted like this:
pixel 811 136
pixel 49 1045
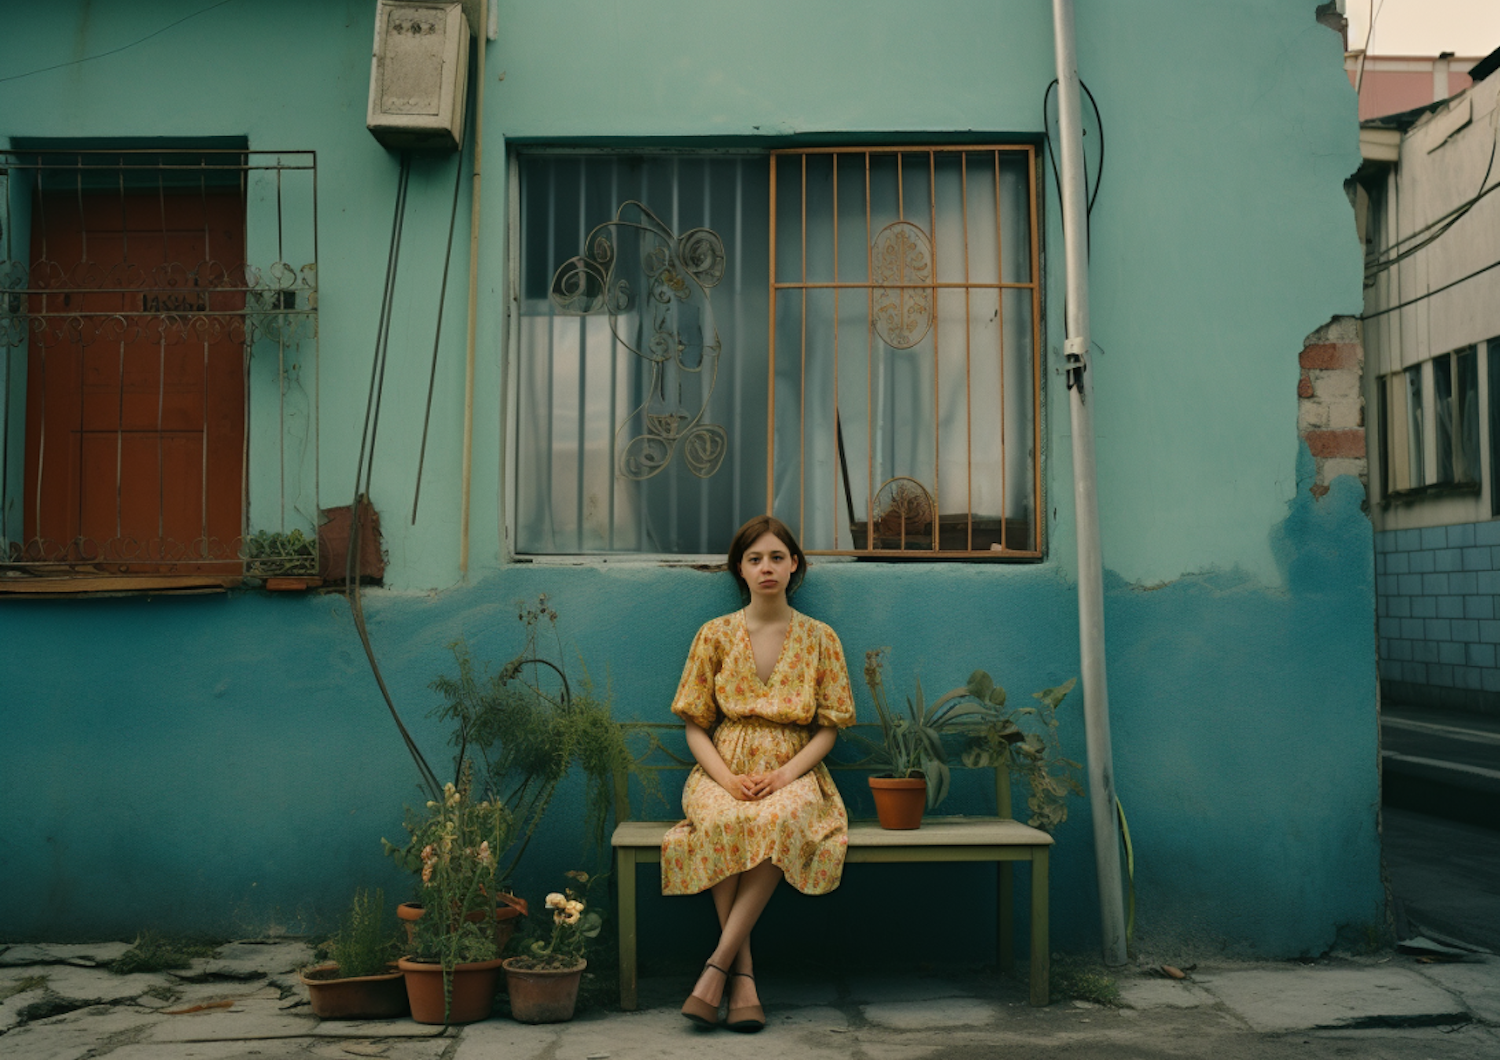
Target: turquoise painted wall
pixel 225 764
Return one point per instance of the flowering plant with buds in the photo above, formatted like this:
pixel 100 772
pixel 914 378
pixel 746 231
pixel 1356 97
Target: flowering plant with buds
pixel 573 924
pixel 457 844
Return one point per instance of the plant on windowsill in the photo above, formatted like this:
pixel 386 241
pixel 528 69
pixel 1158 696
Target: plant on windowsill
pixel 274 554
pixel 914 759
pixel 543 982
pixel 362 982
pixel 454 962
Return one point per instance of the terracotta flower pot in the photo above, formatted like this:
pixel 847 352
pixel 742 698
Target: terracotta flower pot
pixel 473 990
pixel 363 997
pixel 542 995
pixel 506 911
pixel 899 801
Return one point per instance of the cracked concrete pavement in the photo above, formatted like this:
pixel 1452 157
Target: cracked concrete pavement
pixel 60 1002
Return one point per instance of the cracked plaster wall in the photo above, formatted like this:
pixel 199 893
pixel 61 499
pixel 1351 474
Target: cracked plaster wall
pixel 225 764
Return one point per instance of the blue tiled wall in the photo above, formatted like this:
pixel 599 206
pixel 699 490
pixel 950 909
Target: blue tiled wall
pixel 1436 591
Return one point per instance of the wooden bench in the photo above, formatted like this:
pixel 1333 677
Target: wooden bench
pixel 940 839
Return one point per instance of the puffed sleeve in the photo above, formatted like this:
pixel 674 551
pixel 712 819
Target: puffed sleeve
pixel 695 692
pixel 835 700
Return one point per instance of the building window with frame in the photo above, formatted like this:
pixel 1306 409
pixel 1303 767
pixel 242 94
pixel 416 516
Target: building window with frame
pixel 1455 405
pixel 1403 453
pixel 158 329
pixel 881 392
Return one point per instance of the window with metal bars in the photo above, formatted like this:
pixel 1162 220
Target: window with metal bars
pixel 848 338
pixel 158 386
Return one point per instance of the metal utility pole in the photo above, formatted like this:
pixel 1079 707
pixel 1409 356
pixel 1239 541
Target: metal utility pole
pixel 1085 500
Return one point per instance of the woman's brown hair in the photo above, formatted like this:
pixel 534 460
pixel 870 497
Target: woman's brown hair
pixel 751 532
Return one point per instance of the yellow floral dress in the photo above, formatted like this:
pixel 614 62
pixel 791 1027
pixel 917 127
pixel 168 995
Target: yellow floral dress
pixel 758 726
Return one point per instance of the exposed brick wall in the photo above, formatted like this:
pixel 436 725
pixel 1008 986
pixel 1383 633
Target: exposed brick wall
pixel 1330 403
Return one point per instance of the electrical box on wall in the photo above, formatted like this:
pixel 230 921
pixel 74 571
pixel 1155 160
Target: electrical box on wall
pixel 419 75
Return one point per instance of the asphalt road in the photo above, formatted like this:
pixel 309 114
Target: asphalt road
pixel 1444 764
pixel 1442 823
pixel 1445 876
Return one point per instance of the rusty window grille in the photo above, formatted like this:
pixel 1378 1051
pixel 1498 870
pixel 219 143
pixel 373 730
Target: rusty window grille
pixel 846 338
pixel 158 362
pixel 905 351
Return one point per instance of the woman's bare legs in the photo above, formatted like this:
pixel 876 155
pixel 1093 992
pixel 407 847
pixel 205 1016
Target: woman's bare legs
pixel 739 901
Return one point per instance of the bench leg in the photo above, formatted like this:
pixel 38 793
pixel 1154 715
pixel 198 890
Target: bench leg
pixel 625 880
pixel 1041 943
pixel 1005 928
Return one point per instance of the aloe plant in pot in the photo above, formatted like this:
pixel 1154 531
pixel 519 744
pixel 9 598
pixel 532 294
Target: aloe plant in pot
pixel 911 755
pixel 914 759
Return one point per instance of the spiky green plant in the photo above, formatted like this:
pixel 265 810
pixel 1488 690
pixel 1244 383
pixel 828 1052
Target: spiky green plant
pixel 912 744
pixel 365 943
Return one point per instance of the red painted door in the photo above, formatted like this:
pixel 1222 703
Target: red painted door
pixel 135 416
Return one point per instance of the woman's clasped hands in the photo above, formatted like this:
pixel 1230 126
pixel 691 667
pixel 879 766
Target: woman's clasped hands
pixel 752 787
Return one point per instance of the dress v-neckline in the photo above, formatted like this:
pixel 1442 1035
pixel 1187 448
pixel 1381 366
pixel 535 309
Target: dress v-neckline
pixel 750 643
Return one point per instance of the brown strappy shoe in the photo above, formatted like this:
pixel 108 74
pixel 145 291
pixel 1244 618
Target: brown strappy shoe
pixel 749 1018
pixel 703 1014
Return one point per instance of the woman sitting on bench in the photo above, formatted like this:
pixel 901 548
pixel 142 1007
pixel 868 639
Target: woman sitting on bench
pixel 764 692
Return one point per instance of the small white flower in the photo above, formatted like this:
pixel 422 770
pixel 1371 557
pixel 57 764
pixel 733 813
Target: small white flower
pixel 573 907
pixel 556 901
pixel 571 917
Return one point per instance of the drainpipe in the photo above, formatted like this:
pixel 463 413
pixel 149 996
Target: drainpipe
pixel 480 24
pixel 1085 500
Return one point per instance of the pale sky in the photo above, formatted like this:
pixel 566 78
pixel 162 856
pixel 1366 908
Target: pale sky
pixel 1425 27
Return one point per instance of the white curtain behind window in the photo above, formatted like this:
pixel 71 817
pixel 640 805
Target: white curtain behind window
pixel 580 387
pixel 954 409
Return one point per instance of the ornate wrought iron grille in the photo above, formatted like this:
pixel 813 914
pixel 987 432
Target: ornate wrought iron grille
pixel 905 342
pixel 158 363
pixel 639 375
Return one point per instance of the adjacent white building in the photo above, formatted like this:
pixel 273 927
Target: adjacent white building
pixel 1431 224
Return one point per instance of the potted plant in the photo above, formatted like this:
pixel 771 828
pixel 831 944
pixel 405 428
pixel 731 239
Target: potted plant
pixel 518 733
pixel 543 983
pixel 915 761
pixel 273 553
pixel 362 982
pixel 454 965
pixel 528 726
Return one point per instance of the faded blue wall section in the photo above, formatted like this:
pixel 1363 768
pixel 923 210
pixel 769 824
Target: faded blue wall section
pixel 237 788
pixel 226 765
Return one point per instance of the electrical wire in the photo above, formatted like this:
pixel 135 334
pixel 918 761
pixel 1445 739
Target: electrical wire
pixel 121 48
pixel 1429 294
pixel 1089 197
pixel 1098 166
pixel 1430 225
pixel 458 172
pixel 1446 222
pixel 1359 78
pixel 364 467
